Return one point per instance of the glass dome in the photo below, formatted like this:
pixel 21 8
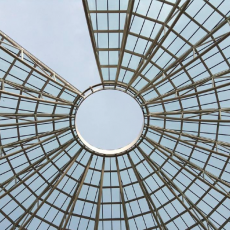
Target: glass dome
pixel 172 57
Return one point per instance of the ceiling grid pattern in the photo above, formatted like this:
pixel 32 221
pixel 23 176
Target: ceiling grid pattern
pixel 172 57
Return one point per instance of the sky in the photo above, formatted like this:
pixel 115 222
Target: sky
pixel 55 31
pixel 108 108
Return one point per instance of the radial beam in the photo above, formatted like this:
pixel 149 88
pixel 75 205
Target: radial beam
pixel 91 33
pixel 15 143
pixel 53 187
pixel 124 38
pixel 75 196
pixel 155 45
pixel 35 122
pixel 192 111
pixel 168 181
pixel 24 149
pixel 28 90
pixel 188 143
pixel 99 196
pixel 11 115
pixel 162 149
pixel 60 149
pixel 150 202
pixel 185 95
pixel 199 138
pixel 122 196
pixel 191 119
pixel 188 86
pixel 184 55
pixel 37 62
pixel 33 98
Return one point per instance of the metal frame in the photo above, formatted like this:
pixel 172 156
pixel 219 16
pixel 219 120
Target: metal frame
pixel 176 175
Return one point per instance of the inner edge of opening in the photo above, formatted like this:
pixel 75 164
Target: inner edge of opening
pixel 109 151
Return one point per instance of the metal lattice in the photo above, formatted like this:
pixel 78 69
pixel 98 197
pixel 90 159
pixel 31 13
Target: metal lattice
pixel 172 57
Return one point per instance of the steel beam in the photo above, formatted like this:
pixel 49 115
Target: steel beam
pixel 99 196
pixel 54 184
pixel 166 180
pixel 162 149
pixel 150 202
pixel 124 38
pixel 61 148
pixel 75 196
pixel 183 56
pixel 122 196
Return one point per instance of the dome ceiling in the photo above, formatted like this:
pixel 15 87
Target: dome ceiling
pixel 172 57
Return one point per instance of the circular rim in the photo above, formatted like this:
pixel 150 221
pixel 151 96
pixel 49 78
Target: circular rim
pixel 108 151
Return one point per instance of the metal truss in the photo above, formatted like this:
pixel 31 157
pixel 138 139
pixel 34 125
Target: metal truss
pixel 172 57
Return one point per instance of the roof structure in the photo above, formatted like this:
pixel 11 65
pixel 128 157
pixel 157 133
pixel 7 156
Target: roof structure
pixel 172 57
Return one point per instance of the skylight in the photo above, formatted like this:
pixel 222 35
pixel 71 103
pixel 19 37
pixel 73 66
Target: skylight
pixel 172 58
